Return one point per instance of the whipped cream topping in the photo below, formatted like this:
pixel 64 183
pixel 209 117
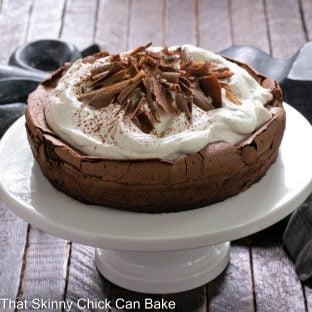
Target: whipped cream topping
pixel 105 133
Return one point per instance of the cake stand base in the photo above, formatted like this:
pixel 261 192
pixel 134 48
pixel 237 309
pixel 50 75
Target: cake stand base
pixel 159 253
pixel 160 272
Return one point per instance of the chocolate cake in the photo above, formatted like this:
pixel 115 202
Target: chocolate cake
pixel 155 129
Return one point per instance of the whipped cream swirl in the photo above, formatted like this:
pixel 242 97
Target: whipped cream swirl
pixel 105 133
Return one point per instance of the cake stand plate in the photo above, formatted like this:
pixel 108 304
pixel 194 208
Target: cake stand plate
pixel 159 253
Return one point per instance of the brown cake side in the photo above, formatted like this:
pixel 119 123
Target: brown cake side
pixel 218 171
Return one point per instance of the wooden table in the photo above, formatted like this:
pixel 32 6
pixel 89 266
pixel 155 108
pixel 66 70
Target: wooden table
pixel 34 264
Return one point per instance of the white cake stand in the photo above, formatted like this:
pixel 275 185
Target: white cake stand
pixel 159 253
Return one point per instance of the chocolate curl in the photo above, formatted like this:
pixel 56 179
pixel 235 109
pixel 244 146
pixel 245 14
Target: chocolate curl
pixel 185 85
pixel 133 103
pixel 222 73
pixel 142 120
pixel 211 87
pixel 97 99
pixel 184 104
pixel 117 77
pixel 134 66
pixel 106 94
pixel 150 61
pixel 92 58
pixel 172 77
pixel 229 93
pixel 100 69
pixel 198 70
pixel 232 97
pixel 186 59
pixel 138 50
pixel 168 63
pixel 202 101
pixel 161 97
pixel 171 86
pixel 127 92
pixel 98 79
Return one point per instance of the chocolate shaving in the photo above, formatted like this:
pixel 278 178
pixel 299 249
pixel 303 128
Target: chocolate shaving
pixel 172 77
pixel 97 99
pixel 185 81
pixel 186 90
pixel 124 94
pixel 138 49
pixel 92 58
pixel 198 70
pixel 145 83
pixel 134 66
pixel 107 93
pixel 211 87
pixel 97 79
pixel 120 75
pixel 116 58
pixel 171 86
pixel 143 121
pixel 186 59
pixel 221 74
pixel 229 93
pixel 232 97
pixel 133 104
pixel 161 97
pixel 168 62
pixel 202 101
pixel 100 69
pixel 184 103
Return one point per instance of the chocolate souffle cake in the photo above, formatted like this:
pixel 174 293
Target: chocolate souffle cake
pixel 155 129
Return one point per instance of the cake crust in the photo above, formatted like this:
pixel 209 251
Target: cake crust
pixel 216 172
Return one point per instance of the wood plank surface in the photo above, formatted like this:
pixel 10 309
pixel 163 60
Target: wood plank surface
pixel 249 23
pixel 233 290
pixel 14 20
pixel 285 27
pixel 46 19
pixel 181 22
pixel 194 300
pixel 276 284
pixel 45 268
pixel 46 257
pixel 112 25
pixel 306 15
pixel 137 300
pixel 13 233
pixel 146 19
pixel 84 281
pixel 79 22
pixel 214 25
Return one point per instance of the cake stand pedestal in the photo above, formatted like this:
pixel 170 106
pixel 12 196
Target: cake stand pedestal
pixel 163 271
pixel 159 253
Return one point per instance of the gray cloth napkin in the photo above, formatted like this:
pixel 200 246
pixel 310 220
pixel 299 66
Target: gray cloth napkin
pixel 298 239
